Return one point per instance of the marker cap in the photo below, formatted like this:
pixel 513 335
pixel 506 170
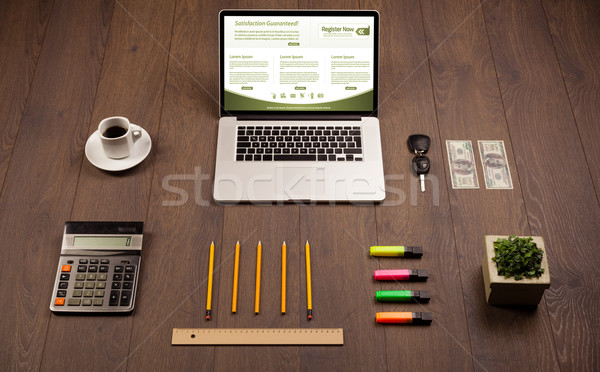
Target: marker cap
pixel 396 251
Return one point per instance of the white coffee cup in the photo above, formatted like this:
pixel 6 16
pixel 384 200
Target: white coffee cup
pixel 118 136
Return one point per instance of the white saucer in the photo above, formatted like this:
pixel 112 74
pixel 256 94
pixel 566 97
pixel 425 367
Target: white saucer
pixel 95 153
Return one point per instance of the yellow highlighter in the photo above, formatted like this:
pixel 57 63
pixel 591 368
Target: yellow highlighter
pixel 396 251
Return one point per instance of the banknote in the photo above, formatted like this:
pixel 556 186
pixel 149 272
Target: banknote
pixel 461 160
pixel 495 165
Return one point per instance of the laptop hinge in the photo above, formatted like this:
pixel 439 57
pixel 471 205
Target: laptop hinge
pixel 270 117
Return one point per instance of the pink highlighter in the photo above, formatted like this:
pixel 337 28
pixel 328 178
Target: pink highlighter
pixel 405 274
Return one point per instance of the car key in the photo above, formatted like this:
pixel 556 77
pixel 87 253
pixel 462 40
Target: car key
pixel 419 145
pixel 420 164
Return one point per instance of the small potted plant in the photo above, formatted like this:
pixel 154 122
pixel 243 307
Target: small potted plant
pixel 515 270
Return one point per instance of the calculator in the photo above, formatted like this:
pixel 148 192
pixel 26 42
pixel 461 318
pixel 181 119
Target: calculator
pixel 98 268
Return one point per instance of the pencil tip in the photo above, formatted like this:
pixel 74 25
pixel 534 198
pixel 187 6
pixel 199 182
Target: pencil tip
pixel 259 242
pixel 307 242
pixel 238 242
pixel 212 243
pixel 284 242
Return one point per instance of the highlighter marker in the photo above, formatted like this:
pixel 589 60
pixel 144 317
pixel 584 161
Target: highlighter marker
pixel 412 275
pixel 396 251
pixel 403 318
pixel 402 296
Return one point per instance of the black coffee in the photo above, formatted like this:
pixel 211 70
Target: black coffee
pixel 114 132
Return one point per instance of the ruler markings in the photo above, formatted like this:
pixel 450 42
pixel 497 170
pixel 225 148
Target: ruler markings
pixel 257 336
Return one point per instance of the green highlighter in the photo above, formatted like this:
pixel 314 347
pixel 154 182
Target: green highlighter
pixel 402 296
pixel 396 251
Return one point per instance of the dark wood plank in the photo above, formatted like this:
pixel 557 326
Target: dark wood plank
pixel 22 30
pixel 575 32
pixel 272 225
pixel 469 106
pixel 559 194
pixel 342 271
pixel 182 219
pixel 42 178
pixel 342 286
pixel 131 85
pixel 408 216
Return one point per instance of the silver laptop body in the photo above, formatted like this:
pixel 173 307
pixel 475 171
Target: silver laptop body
pixel 298 95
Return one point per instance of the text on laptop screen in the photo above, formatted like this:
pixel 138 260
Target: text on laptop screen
pixel 299 63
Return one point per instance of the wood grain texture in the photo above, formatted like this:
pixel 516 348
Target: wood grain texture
pixel 131 85
pixel 469 106
pixel 522 72
pixel 559 194
pixel 574 29
pixel 342 284
pixel 407 107
pixel 343 288
pixel 182 219
pixel 42 179
pixel 22 29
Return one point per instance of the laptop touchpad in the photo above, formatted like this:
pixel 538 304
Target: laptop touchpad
pixel 300 183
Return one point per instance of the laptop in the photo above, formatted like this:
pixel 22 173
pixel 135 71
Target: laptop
pixel 298 96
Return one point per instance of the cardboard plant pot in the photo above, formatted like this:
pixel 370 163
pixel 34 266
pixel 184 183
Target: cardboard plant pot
pixel 509 291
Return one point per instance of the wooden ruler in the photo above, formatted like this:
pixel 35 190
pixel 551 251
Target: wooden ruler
pixel 257 336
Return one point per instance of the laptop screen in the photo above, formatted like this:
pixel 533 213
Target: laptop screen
pixel 309 62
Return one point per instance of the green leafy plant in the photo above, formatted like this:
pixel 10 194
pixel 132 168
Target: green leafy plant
pixel 518 257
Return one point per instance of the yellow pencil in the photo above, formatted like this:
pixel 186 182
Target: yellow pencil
pixel 308 284
pixel 236 270
pixel 210 280
pixel 257 293
pixel 283 273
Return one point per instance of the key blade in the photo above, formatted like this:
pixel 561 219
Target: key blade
pixel 422 178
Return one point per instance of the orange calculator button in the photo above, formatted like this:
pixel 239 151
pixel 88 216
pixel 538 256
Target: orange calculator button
pixel 65 268
pixel 59 302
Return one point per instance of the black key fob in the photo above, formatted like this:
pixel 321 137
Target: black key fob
pixel 419 143
pixel 421 165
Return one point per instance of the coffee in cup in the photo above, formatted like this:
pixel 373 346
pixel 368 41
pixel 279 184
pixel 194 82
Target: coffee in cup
pixel 118 136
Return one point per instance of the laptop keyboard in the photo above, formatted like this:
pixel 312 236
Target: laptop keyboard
pixel 299 143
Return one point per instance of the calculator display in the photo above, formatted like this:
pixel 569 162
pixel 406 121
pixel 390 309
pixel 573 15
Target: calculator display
pixel 102 241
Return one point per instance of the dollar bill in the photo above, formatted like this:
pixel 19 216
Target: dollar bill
pixel 461 160
pixel 495 165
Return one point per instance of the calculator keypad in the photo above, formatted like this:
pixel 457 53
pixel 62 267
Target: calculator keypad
pixel 95 285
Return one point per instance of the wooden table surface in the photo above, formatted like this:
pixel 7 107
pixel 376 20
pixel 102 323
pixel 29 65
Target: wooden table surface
pixel 525 72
